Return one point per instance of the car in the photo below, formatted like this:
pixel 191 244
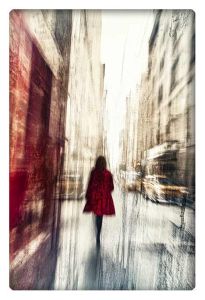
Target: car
pixel 71 187
pixel 130 180
pixel 160 188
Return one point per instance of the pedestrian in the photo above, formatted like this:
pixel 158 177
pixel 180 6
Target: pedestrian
pixel 98 194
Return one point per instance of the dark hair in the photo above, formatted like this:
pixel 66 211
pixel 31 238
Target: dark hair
pixel 100 163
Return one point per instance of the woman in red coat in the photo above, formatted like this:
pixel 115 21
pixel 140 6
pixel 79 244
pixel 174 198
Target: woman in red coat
pixel 98 195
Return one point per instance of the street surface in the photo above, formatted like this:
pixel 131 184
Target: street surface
pixel 145 246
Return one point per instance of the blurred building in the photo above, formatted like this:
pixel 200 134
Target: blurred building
pixel 86 105
pixel 39 70
pixel 166 104
pixel 128 138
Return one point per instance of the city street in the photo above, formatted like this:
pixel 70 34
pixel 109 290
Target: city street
pixel 145 246
pixel 98 96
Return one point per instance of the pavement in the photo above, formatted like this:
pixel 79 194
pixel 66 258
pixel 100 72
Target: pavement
pixel 146 246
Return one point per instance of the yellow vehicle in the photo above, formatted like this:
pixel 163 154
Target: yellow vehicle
pixel 160 188
pixel 130 180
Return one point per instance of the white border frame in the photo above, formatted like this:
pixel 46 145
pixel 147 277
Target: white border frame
pixel 4 139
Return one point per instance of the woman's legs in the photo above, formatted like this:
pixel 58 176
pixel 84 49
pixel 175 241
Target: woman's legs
pixel 98 227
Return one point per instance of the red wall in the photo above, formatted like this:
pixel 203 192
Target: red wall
pixel 20 66
pixel 37 123
pixel 34 145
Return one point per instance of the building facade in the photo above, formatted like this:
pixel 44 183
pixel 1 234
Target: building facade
pixel 85 106
pixel 39 71
pixel 167 104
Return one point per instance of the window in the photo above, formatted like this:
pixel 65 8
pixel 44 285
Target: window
pixel 173 74
pixel 162 63
pixel 160 94
pixel 153 82
pixel 192 49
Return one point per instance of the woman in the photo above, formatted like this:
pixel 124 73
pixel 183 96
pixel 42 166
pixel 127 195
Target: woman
pixel 98 195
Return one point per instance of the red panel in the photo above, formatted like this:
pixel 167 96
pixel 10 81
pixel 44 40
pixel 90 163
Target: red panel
pixel 18 186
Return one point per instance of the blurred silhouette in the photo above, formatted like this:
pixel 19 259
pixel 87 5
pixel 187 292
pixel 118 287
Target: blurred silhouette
pixel 98 194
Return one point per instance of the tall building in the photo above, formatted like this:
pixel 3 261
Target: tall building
pixel 128 139
pixel 167 93
pixel 85 106
pixel 39 70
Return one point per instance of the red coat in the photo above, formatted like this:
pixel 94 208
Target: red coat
pixel 98 195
